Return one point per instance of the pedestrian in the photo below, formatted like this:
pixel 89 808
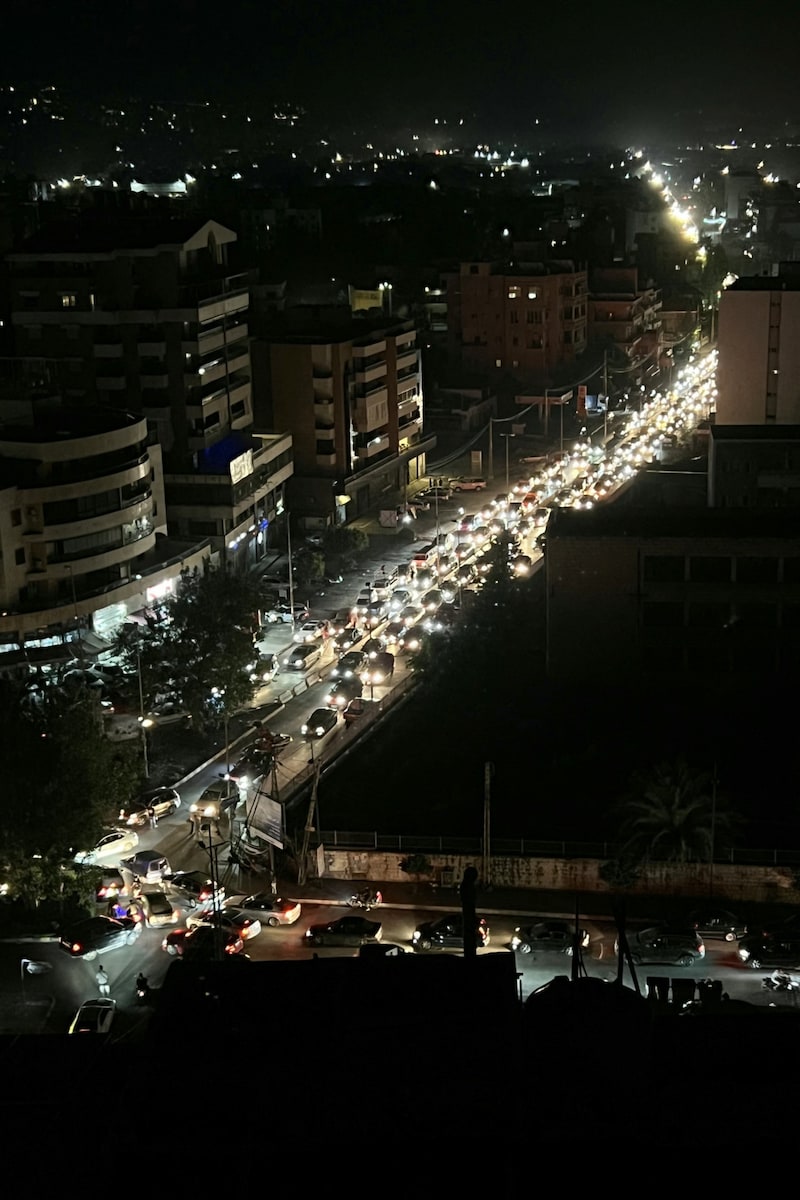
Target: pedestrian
pixel 383 569
pixel 153 819
pixel 101 979
pixel 191 825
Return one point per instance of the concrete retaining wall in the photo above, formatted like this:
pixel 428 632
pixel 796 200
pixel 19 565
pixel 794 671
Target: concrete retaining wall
pixel 735 883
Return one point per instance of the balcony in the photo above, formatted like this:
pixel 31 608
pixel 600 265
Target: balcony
pixel 326 460
pixel 216 337
pixel 407 406
pixel 320 372
pixel 408 375
pixel 369 349
pixel 153 379
pixel 240 391
pixel 371 373
pixel 376 445
pixel 406 359
pixel 112 383
pixel 107 349
pixel 152 349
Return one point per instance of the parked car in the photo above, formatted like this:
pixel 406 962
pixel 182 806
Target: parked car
pixel 196 889
pixel 769 952
pixel 447 933
pixel 283 614
pixel 171 712
pixel 111 845
pixel 659 944
pixel 94 1016
pixel 347 931
pixel 320 723
pixel 154 909
pixel 713 922
pixel 548 935
pixel 302 658
pixel 467 483
pixel 357 709
pixel 268 909
pixel 161 802
pixel 343 691
pixel 97 935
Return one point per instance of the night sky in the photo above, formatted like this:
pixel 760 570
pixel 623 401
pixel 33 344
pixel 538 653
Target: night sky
pixel 619 69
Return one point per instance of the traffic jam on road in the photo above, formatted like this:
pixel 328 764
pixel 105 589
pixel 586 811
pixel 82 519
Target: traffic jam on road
pixel 156 898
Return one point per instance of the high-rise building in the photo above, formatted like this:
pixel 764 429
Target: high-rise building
pixel 353 402
pixel 146 314
pixel 523 320
pixel 82 542
pixel 759 350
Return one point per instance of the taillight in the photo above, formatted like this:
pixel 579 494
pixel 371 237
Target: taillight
pixel 102 893
pixel 76 947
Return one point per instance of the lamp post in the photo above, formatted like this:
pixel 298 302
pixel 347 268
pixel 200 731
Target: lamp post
pixel 145 723
pixel 508 437
pixel 291 573
pixel 386 289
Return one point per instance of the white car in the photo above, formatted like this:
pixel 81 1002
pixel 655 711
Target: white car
pixel 94 1016
pixel 310 631
pixel 270 910
pixel 109 848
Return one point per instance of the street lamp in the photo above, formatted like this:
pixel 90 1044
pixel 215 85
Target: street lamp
pixel 291 573
pixel 386 289
pixel 145 723
pixel 508 437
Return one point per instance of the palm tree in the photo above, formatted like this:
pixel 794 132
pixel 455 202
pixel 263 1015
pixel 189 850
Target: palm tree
pixel 672 814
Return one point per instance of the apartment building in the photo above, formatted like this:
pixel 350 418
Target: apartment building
pixel 82 531
pixel 144 313
pixel 625 313
pixel 524 320
pixel 354 404
pixel 754 466
pixel 759 350
pixel 677 592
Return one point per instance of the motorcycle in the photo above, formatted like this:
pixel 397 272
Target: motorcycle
pixel 366 900
pixel 781 981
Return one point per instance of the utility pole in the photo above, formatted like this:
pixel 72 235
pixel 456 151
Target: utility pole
pixel 546 411
pixel 488 772
pixel 491 450
pixel 302 872
pixel 291 573
pixel 605 389
pixel 469 914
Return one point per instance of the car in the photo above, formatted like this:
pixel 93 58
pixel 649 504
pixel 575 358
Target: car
pixel 418 503
pixel 94 1016
pixel 350 665
pixel 357 708
pixel 284 614
pixel 447 933
pixel 154 909
pixel 548 935
pixel 343 691
pixel 268 909
pixel 310 631
pixel 264 668
pixel 398 600
pixel 433 495
pixel 760 952
pixel 713 922
pixel 201 944
pixel 161 802
pixel 109 884
pixel 97 935
pixel 218 797
pixel 232 920
pixel 147 866
pixel 347 931
pixel 393 632
pixel 251 766
pixel 660 944
pixel 381 668
pixel 411 614
pixel 431 600
pixel 320 723
pixel 372 647
pixel 466 574
pixel 171 712
pixel 110 845
pixel 521 564
pixel 196 889
pixel 375 614
pixel 301 658
pixel 348 636
pixel 467 483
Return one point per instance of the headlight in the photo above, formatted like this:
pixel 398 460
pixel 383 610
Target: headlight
pixel 416 935
pixel 304 729
pixel 515 941
pixel 743 954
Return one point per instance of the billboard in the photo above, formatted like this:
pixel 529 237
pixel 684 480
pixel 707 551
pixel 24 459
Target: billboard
pixel 241 467
pixel 268 819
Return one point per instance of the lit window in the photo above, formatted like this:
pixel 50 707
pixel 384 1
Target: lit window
pixel 514 293
pixel 533 294
pixel 68 300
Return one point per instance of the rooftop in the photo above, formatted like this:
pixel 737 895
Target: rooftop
pixel 106 233
pixel 755 433
pixel 616 521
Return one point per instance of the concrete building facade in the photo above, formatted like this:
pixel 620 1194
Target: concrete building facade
pixel 759 350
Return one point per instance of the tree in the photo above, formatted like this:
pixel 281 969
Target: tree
pixel 344 541
pixel 202 649
pixel 672 814
pixel 310 568
pixel 62 780
pixel 416 865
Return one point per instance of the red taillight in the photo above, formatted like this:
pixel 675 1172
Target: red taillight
pixel 76 947
pixel 102 893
